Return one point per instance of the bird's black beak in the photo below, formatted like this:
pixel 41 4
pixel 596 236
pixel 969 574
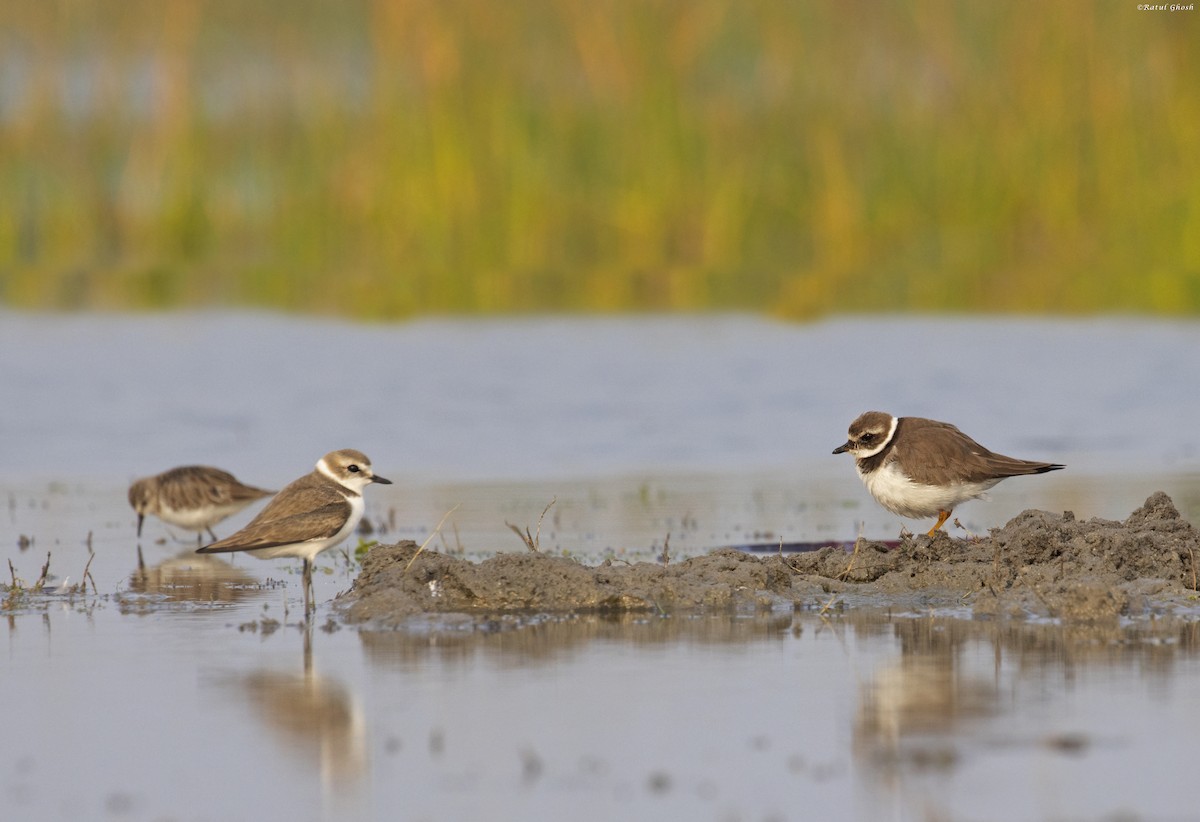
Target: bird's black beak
pixel 843 448
pixel 380 480
pixel 141 519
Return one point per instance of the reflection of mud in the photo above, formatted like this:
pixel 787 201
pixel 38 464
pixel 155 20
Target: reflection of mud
pixel 953 676
pixel 938 690
pixel 519 642
pixel 929 647
pixel 190 578
pixel 1039 563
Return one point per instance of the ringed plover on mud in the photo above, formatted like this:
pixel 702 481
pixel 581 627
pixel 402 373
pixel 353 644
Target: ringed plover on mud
pixel 193 497
pixel 313 513
pixel 920 468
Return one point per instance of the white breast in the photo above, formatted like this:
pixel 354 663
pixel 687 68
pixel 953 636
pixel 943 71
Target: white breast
pixel 196 519
pixel 892 489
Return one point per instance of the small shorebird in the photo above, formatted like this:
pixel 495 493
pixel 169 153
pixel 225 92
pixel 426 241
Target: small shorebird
pixel 193 497
pixel 313 513
pixel 921 468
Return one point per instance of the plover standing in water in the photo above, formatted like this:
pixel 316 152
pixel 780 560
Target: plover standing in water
pixel 920 468
pixel 193 497
pixel 310 515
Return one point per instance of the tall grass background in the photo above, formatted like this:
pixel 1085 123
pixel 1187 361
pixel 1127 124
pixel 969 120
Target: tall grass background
pixel 384 158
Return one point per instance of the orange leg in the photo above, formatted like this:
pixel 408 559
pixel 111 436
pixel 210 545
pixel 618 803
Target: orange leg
pixel 942 517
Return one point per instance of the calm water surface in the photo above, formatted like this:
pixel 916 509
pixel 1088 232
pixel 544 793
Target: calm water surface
pixel 169 691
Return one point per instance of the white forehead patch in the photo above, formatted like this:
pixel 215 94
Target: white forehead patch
pixel 353 482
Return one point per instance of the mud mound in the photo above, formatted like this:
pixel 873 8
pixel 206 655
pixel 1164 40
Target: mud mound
pixel 389 589
pixel 1037 564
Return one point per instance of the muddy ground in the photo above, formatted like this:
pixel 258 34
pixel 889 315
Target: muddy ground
pixel 1038 564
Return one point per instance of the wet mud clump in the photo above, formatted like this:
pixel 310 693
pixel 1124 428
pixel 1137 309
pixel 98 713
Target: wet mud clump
pixel 389 589
pixel 1038 564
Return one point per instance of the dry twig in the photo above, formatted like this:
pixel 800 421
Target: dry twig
pixel 829 604
pixel 431 536
pixel 87 574
pixel 533 541
pixel 854 554
pixel 41 580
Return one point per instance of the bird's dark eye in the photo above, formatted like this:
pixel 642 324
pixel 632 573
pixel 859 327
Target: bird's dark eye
pixel 868 437
pixel 353 469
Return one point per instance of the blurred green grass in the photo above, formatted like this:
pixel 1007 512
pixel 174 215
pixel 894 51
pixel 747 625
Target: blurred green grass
pixel 378 158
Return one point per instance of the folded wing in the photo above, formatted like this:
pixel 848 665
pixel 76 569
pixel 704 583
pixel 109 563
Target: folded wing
pixel 299 513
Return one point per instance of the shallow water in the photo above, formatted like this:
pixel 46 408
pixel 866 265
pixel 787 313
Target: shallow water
pixel 181 715
pixel 167 692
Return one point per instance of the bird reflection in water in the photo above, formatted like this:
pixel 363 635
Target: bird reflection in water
pixel 915 709
pixel 313 718
pixel 193 578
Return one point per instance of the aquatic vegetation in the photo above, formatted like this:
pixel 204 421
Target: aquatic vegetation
pixel 361 549
pixel 19 595
pixel 18 585
pixel 381 159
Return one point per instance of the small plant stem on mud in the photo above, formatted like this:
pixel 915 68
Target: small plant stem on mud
pixel 87 574
pixel 665 556
pixel 13 573
pixel 41 580
pixel 854 554
pixel 794 568
pixel 538 536
pixel 533 541
pixel 962 527
pixel 829 604
pixel 853 558
pixel 457 548
pixel 524 535
pixel 431 536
